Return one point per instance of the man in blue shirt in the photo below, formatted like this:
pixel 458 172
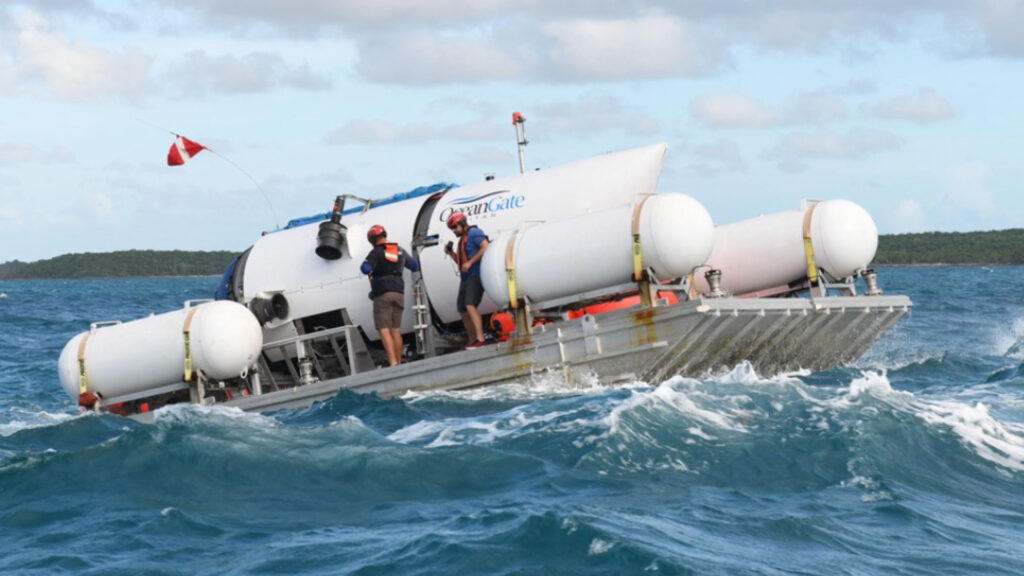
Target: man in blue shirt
pixel 384 265
pixel 472 245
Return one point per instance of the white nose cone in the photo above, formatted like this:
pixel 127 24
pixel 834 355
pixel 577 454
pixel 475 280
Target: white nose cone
pixel 227 339
pixel 844 237
pixel 677 234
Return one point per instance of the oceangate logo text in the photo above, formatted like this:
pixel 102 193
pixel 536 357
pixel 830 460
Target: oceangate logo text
pixel 484 205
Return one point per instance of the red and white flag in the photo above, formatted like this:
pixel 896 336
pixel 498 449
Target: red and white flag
pixel 182 151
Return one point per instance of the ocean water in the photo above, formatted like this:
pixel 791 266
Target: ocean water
pixel 911 461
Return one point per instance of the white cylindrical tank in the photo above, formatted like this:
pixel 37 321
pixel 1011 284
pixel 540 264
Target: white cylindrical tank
pixel 768 252
pixel 594 251
pixel 284 262
pixel 225 340
pixel 504 205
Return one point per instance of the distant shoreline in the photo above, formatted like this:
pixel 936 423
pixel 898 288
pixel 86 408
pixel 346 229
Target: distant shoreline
pixel 917 250
pixel 873 266
pixel 181 276
pixel 951 265
pixel 122 264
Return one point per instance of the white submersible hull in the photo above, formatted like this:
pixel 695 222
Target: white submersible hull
pixel 590 273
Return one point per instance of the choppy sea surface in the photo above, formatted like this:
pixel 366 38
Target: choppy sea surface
pixel 911 461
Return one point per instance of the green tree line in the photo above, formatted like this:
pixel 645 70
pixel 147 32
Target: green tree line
pixel 1001 247
pixel 121 264
pixel 1005 247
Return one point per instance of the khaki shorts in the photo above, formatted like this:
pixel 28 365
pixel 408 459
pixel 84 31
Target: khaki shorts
pixel 387 310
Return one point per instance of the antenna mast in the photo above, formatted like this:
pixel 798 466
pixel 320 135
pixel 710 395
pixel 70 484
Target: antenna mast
pixel 519 121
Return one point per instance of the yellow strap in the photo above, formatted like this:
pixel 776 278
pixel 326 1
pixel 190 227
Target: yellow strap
pixel 638 264
pixel 510 271
pixel 186 331
pixel 83 380
pixel 812 269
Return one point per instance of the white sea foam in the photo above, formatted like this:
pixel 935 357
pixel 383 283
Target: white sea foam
pixel 191 412
pixel 684 403
pixel 1012 343
pixel 26 420
pixel 544 384
pixel 871 383
pixel 479 430
pixel 598 547
pixel 1001 443
pixel 873 491
pixel 998 442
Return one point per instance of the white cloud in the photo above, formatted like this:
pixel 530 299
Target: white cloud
pixel 426 58
pixel 473 41
pixel 720 156
pixel 303 16
pixel 651 46
pixel 908 217
pixel 72 69
pixel 381 132
pixel 987 27
pixel 558 50
pixel 22 153
pixel 815 109
pixel 198 73
pixel 416 42
pixel 926 106
pixel 856 87
pixel 588 115
pixel 738 111
pixel 968 192
pixel 732 111
pixel 490 156
pixel 853 144
pixel 10 206
pixel 593 114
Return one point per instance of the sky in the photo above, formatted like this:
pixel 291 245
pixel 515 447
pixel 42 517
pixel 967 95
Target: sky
pixel 912 109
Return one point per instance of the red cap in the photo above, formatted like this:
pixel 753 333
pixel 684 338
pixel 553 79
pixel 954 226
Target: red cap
pixel 374 232
pixel 517 118
pixel 456 218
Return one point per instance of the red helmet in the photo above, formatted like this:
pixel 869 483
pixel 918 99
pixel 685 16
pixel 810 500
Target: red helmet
pixel 374 232
pixel 455 219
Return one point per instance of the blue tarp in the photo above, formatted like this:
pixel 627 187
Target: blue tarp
pixel 225 281
pixel 421 191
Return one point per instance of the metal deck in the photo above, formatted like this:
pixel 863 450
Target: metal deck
pixel 648 344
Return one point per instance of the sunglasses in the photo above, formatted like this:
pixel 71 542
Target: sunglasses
pixel 453 227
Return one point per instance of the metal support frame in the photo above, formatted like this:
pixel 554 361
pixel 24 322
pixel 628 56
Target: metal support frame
pixel 347 345
pixel 523 317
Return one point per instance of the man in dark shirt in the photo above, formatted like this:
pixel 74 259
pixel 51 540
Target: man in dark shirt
pixel 384 265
